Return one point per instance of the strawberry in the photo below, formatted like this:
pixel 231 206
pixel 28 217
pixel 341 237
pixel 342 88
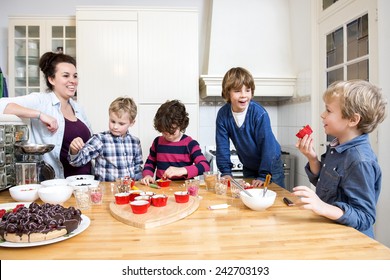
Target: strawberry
pixel 17 208
pixel 2 212
pixel 14 210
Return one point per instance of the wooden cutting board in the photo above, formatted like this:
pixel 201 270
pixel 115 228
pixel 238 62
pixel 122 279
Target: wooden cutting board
pixel 156 216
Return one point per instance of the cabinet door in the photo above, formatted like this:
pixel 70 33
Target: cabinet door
pixel 62 38
pixel 168 56
pixel 25 44
pixel 149 55
pixel 107 66
pixel 29 38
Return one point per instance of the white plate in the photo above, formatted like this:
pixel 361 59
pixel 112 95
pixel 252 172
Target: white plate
pixel 85 222
pixel 8 206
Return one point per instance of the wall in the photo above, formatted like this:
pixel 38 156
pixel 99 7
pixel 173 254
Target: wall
pixel 295 113
pixel 251 33
pixel 382 229
pixel 68 8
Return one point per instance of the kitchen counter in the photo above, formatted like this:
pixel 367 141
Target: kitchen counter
pixel 279 233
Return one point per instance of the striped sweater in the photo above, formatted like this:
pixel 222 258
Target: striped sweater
pixel 184 153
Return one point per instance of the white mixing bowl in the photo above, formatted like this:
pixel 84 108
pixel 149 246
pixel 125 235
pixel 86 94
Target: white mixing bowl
pixel 55 194
pixel 25 193
pixel 257 202
pixel 54 182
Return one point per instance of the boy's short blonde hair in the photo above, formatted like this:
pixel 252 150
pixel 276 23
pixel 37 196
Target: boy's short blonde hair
pixel 235 78
pixel 123 105
pixel 359 97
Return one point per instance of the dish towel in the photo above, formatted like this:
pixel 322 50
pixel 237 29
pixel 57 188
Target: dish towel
pixel 3 85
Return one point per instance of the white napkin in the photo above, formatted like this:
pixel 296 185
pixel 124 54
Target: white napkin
pixel 218 206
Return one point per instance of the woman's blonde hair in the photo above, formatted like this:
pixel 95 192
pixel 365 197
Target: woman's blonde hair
pixel 359 97
pixel 123 105
pixel 235 78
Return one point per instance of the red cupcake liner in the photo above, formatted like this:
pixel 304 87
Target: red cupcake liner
pixel 306 130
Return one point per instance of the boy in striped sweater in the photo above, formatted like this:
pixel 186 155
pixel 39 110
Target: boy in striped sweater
pixel 173 155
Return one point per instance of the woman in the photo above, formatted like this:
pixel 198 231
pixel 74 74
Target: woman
pixel 55 118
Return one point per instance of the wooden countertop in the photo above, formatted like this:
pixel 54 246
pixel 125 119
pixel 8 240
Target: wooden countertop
pixel 279 233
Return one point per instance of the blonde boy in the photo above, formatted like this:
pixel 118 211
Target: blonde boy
pixel 117 153
pixel 347 177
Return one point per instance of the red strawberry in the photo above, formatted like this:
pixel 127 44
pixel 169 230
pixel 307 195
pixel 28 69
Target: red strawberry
pixel 2 212
pixel 17 208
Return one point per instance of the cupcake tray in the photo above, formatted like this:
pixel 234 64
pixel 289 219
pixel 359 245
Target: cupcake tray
pixel 156 216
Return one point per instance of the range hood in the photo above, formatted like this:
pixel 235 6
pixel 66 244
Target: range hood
pixel 253 34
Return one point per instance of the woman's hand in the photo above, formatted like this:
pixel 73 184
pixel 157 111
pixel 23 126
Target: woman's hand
pixel 76 145
pixel 147 180
pixel 50 122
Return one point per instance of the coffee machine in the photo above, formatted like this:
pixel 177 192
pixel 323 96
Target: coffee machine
pixel 30 168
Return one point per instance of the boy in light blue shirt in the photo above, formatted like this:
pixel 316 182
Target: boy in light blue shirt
pixel 348 176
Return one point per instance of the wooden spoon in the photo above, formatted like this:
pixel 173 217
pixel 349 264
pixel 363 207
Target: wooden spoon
pixel 266 183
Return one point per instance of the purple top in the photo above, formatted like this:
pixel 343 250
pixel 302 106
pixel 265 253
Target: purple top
pixel 73 130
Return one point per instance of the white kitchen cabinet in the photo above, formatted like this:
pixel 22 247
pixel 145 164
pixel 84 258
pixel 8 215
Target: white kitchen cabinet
pixel 29 38
pixel 150 55
pixel 107 62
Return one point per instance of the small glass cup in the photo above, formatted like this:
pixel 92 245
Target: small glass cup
pixel 96 195
pixel 82 198
pixel 211 179
pixel 123 185
pixel 221 186
pixel 235 191
pixel 192 186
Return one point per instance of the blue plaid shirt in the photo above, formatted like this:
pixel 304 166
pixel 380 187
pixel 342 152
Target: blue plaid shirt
pixel 115 157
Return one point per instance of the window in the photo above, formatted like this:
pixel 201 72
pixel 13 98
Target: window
pixel 347 52
pixel 327 3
